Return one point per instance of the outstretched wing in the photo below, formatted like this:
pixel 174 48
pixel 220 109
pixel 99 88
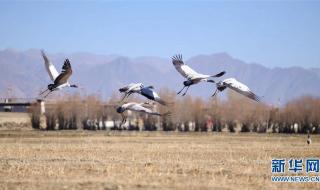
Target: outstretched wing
pixel 139 108
pixel 182 68
pixel 65 74
pixel 240 88
pixel 52 71
pixel 149 93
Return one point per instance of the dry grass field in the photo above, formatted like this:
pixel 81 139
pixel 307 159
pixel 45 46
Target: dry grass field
pixel 14 118
pixel 146 160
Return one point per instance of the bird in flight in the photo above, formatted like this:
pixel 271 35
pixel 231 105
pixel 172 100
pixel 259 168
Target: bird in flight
pixel 191 75
pixel 236 86
pixel 137 107
pixel 139 88
pixel 60 81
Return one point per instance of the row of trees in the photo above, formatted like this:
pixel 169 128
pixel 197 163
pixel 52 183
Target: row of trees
pixel 236 113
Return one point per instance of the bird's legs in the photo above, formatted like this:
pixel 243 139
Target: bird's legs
pixel 125 96
pixel 44 91
pixel 215 93
pixel 181 90
pixel 186 91
pixel 47 94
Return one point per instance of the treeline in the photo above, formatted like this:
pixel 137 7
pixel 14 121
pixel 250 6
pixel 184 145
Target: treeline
pixel 235 114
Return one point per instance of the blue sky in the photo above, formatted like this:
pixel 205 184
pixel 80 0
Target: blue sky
pixel 272 33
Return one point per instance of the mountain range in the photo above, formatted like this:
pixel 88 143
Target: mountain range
pixel 24 73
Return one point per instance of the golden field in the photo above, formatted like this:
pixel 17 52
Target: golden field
pixel 31 159
pixel 15 118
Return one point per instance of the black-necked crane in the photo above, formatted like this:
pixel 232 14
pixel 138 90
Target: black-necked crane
pixel 236 86
pixel 139 88
pixel 137 107
pixel 60 81
pixel 191 75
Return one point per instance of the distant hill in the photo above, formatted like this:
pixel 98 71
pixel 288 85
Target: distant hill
pixel 316 70
pixel 24 72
